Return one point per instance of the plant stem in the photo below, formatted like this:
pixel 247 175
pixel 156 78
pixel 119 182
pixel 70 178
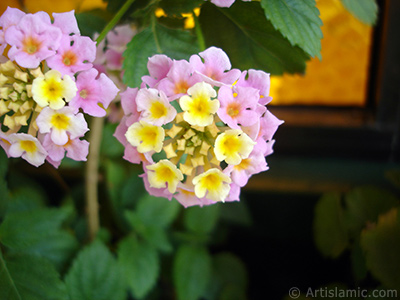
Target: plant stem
pixel 92 166
pixel 114 20
pixel 199 33
pixel 153 28
pixel 92 177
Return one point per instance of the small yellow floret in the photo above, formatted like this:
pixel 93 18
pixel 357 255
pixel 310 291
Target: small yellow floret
pixel 162 173
pixel 146 137
pixel 233 146
pixel 214 183
pixel 158 110
pixel 198 108
pixel 51 90
pixel 60 121
pixel 28 146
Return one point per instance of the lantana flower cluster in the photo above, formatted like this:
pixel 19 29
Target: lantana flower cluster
pixel 199 128
pixel 47 83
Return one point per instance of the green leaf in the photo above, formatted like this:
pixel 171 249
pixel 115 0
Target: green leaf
pixel 298 21
pixel 3 163
pixel 365 10
pixel 26 198
pixel 153 234
pixel 381 244
pixel 139 263
pixel 4 193
pixel 229 278
pixel 27 277
pixel 115 176
pixel 110 146
pixel 157 237
pixel 22 229
pixel 58 247
pixel 132 190
pixel 364 205
pixel 151 218
pixel 201 219
pixel 232 292
pixel 358 262
pixel 92 22
pixel 175 43
pixel 191 271
pixel 157 211
pixel 230 269
pixel 249 39
pixel 329 227
pixel 95 275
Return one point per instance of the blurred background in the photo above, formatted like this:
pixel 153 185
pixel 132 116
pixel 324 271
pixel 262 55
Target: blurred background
pixel 341 135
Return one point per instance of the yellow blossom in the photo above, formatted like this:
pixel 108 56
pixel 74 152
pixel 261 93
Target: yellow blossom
pixel 233 146
pixel 164 173
pixel 214 183
pixel 146 137
pixel 198 108
pixel 52 90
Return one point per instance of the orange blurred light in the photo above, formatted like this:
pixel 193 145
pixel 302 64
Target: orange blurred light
pixel 340 79
pixel 50 6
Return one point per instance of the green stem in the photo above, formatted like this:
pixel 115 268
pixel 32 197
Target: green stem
pixel 199 33
pixel 92 166
pixel 153 28
pixel 114 20
pixel 92 177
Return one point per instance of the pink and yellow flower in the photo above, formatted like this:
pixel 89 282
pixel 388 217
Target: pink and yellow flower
pixel 28 147
pixel 62 124
pixel 53 90
pixel 207 123
pixel 40 104
pixel 198 106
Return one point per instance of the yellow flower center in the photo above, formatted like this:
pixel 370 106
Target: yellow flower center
pixel 162 173
pixel 69 58
pixel 244 164
pixel 231 144
pixel 60 121
pixel 83 94
pixel 233 109
pixel 158 110
pixel 145 137
pixel 165 173
pixel 53 89
pixel 31 45
pixel 199 107
pixel 181 87
pixel 211 182
pixel 28 146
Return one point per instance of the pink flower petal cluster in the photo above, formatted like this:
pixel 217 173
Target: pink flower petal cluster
pixel 49 68
pixel 210 122
pixel 109 61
